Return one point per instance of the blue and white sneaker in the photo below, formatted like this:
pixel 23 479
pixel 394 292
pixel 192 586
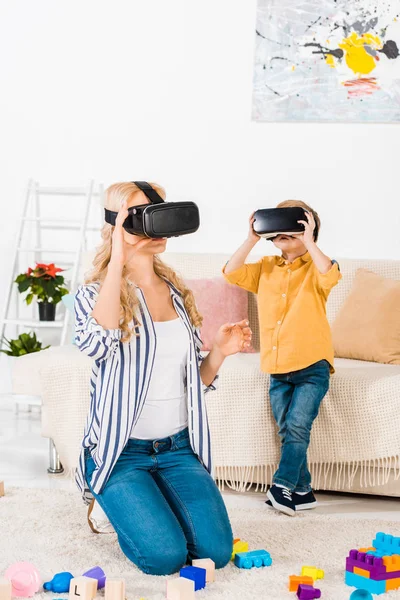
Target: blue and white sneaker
pixel 302 501
pixel 281 499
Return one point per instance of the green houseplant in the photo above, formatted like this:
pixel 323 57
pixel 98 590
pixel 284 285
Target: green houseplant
pixel 26 343
pixel 44 283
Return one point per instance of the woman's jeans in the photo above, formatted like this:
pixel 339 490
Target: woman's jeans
pixel 164 506
pixel 295 401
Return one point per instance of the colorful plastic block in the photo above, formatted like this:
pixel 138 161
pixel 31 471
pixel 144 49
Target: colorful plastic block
pixel 361 595
pixel 114 589
pixel 386 543
pixel 373 567
pixel 25 579
pixel 5 588
pixel 196 574
pixel 255 558
pixel 97 573
pixel 60 583
pixel 392 563
pixel 313 572
pixel 239 546
pixel 370 585
pixel 82 588
pixel 308 592
pixel 296 580
pixel 392 584
pixel 180 589
pixel 208 565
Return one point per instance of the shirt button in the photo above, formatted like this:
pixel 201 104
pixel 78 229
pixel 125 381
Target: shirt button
pixel 289 271
pixel 273 347
pixel 283 295
pixel 279 322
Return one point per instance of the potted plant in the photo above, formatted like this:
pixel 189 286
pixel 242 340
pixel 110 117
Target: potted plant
pixel 26 343
pixel 44 283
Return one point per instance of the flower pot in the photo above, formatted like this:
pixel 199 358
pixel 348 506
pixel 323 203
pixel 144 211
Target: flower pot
pixel 47 311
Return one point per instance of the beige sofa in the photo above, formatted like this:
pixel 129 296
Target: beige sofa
pixel 356 438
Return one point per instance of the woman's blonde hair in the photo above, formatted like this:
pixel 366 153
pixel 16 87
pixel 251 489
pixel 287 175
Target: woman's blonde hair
pixel 116 194
pixel 301 204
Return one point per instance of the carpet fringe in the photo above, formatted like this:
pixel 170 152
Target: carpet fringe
pixel 330 475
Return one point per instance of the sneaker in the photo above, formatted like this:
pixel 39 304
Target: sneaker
pixel 305 501
pixel 97 519
pixel 281 499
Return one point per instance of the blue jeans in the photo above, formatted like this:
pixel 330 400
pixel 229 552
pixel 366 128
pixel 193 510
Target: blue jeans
pixel 295 401
pixel 164 506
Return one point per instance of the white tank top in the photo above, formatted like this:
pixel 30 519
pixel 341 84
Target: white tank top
pixel 165 410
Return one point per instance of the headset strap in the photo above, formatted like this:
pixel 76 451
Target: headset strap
pixel 150 192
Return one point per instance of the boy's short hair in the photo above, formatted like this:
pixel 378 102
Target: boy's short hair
pixel 301 204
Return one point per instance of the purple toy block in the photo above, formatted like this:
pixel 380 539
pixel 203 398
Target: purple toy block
pixel 370 563
pixel 308 592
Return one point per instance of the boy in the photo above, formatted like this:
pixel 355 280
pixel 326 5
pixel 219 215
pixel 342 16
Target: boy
pixel 296 344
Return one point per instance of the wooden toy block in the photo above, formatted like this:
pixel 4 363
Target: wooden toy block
pixel 392 563
pixel 361 572
pixel 83 588
pixel 296 580
pixel 239 546
pixel 313 572
pixel 196 574
pixel 180 589
pixel 392 584
pixel 208 565
pixel 114 589
pixel 5 589
pixel 1 488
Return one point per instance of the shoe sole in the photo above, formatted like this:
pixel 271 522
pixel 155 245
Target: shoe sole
pixel 284 509
pixel 88 517
pixel 308 506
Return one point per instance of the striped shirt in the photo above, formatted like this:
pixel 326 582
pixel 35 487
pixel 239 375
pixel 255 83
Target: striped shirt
pixel 119 382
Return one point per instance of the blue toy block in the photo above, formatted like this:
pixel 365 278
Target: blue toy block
pixel 254 558
pixel 386 543
pixel 196 574
pixel 363 583
pixel 59 583
pixel 361 595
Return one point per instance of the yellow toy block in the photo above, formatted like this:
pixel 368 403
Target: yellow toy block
pixel 392 563
pixel 5 589
pixel 392 584
pixel 208 565
pixel 239 546
pixel 362 572
pixel 313 572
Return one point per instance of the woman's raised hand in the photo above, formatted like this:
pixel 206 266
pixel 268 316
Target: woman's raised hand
pixel 121 251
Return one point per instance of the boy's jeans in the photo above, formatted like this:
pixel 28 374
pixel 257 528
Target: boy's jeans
pixel 295 401
pixel 164 506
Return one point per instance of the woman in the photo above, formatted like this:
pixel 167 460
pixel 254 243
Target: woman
pixel 146 456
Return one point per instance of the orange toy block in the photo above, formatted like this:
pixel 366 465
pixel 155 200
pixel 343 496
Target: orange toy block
pixel 180 589
pixel 296 580
pixel 392 584
pixel 365 550
pixel 115 589
pixel 208 565
pixel 236 540
pixel 1 488
pixel 82 588
pixel 362 572
pixel 5 589
pixel 392 563
pixel 239 547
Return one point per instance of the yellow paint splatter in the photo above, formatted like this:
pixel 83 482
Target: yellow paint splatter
pixel 357 58
pixel 330 61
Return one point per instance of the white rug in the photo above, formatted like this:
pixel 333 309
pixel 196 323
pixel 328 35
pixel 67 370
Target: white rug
pixel 49 529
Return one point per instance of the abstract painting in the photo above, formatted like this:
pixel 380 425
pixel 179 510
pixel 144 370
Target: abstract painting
pixel 327 60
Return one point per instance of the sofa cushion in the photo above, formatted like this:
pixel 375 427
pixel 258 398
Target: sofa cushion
pixel 367 326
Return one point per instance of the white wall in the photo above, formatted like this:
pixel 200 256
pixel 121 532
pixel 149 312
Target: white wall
pixel 162 91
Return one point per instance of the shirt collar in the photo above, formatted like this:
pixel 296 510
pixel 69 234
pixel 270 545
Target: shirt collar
pixel 304 258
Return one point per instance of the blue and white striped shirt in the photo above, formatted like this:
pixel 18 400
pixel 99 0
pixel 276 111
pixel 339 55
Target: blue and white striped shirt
pixel 119 383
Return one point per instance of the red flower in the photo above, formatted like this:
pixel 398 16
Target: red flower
pixel 46 271
pixel 29 271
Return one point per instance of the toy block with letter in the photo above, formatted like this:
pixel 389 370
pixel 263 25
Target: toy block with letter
pixel 180 589
pixel 114 589
pixel 82 588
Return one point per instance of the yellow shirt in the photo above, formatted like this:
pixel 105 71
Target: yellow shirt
pixel 294 329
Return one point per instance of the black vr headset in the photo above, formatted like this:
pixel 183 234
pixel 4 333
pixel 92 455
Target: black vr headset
pixel 271 222
pixel 159 219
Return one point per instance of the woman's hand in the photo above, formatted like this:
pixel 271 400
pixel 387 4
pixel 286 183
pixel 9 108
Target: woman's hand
pixel 308 236
pixel 252 236
pixel 233 337
pixel 121 251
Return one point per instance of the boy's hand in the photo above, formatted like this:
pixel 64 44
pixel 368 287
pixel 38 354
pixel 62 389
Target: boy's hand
pixel 252 237
pixel 308 236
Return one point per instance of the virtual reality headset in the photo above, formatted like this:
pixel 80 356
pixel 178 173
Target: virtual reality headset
pixel 270 222
pixel 159 219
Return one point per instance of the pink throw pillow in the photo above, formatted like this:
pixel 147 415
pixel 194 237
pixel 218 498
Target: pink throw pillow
pixel 218 302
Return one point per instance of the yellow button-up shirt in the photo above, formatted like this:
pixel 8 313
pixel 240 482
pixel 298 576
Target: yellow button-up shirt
pixel 294 329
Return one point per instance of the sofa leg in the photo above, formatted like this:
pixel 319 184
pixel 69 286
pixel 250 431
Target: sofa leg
pixel 55 466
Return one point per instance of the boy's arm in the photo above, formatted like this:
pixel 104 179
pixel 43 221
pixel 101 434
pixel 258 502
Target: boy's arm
pixel 244 275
